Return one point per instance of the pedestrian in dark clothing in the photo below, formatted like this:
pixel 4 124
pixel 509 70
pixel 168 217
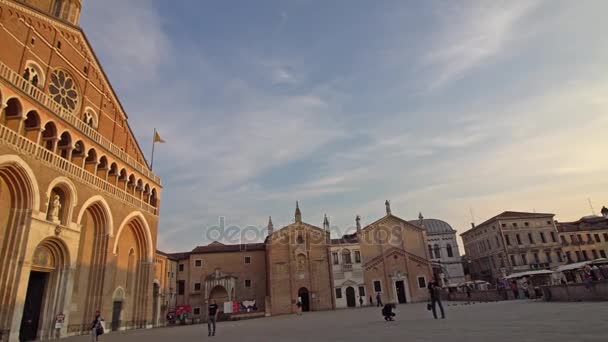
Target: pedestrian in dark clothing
pixel 515 289
pixel 435 293
pixel 378 300
pixel 212 318
pixel 387 312
pixel 97 327
pixel 361 301
pixel 469 294
pixel 371 301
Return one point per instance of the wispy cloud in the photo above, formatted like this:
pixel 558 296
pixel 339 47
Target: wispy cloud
pixel 472 34
pixel 130 36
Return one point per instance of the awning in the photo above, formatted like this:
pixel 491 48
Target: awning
pixel 571 267
pixel 529 274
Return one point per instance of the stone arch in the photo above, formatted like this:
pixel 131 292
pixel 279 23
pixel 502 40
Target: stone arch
pixel 89 117
pixel 219 294
pixel 91 160
pixel 103 204
pixel 49 136
pixel 103 167
pixel 19 198
pixel 12 114
pixel 51 259
pixel 31 126
pixel 78 153
pixel 34 74
pixel 137 216
pixel 134 258
pixel 95 222
pixel 119 294
pixel 70 197
pixel 154 198
pixel 64 145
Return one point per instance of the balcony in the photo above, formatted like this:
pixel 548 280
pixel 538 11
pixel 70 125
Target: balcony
pixel 27 147
pixel 45 100
pixel 347 267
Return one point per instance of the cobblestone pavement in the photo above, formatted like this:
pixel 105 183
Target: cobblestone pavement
pixel 492 322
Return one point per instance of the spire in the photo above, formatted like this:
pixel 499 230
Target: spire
pixel 270 226
pixel 326 223
pixel 604 211
pixel 388 207
pixel 298 215
pixel 358 222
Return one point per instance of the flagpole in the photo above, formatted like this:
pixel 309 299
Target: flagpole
pixel 153 143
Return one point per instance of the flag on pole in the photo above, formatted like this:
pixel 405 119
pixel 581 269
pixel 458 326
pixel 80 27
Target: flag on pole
pixel 157 138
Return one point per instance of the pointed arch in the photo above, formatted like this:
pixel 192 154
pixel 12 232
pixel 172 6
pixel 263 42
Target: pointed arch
pixel 104 206
pixel 34 191
pixel 137 216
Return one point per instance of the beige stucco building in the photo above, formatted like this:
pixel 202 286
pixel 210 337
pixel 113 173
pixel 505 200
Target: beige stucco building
pixel 585 239
pixel 78 203
pixel 347 272
pixel 512 242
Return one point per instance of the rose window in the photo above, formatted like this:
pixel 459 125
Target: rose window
pixel 63 90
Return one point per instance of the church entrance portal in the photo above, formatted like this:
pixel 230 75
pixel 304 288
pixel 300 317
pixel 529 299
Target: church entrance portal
pixel 303 295
pixel 351 301
pixel 33 306
pixel 400 286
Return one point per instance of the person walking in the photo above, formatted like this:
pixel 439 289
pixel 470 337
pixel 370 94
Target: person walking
pixel 515 289
pixel 360 301
pixel 212 317
pixel 371 301
pixel 435 293
pixel 468 294
pixel 378 300
pixel 298 307
pixel 96 327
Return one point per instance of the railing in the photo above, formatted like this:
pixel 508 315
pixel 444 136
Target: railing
pixel 30 148
pixel 34 92
pixel 347 267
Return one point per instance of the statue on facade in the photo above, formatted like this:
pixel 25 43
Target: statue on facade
pixel 358 221
pixel 55 208
pixel 388 207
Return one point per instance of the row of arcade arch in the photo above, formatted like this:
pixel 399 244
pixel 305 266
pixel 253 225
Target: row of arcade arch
pixel 74 150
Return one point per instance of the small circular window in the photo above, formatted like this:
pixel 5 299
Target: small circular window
pixel 63 90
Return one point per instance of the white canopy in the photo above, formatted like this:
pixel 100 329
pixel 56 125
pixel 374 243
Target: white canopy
pixel 529 273
pixel 570 267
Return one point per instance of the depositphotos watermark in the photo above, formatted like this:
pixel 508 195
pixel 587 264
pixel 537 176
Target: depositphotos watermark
pixel 391 234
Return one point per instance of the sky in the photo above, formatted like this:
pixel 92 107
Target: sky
pixel 459 110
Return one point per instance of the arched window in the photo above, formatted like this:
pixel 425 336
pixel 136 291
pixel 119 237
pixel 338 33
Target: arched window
pixel 90 118
pixel 33 75
pixel 449 249
pixel 431 251
pixel 57 8
pixel 437 251
pixel 346 257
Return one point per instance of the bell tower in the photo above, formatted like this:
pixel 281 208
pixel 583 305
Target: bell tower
pixel 67 10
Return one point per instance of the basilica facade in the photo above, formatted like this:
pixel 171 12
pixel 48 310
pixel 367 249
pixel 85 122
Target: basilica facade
pixel 78 202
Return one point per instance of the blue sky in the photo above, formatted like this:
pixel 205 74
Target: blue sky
pixel 440 107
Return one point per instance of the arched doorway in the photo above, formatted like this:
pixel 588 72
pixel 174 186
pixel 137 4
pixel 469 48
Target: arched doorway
pixel 45 290
pixel 117 300
pixel 220 295
pixel 351 301
pixel 19 193
pixel 304 299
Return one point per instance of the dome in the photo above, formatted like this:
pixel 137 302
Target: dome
pixel 434 226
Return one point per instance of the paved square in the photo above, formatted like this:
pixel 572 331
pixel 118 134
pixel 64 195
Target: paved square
pixel 492 322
